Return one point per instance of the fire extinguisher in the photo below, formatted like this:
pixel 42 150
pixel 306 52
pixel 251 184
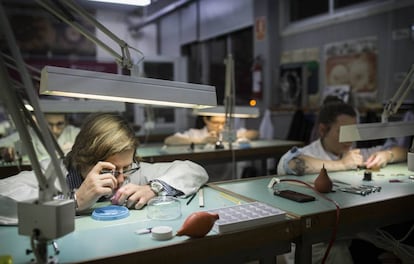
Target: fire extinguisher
pixel 257 77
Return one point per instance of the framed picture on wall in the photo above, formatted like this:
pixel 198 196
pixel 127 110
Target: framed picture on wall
pixel 352 63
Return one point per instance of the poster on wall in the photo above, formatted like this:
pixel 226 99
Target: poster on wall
pixel 299 83
pixel 39 34
pixel 260 28
pixel 300 67
pixel 353 63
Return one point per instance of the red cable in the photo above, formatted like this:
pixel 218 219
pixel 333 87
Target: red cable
pixel 335 230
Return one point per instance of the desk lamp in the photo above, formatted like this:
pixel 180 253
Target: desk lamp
pixel 229 134
pixel 239 111
pixel 229 110
pixel 33 77
pixel 115 87
pixel 80 106
pixel 385 129
pixel 44 219
pixel 48 218
pixel 10 63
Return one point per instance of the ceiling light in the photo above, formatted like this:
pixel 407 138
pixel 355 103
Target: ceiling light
pixel 125 2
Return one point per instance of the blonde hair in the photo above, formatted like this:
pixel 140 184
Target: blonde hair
pixel 102 135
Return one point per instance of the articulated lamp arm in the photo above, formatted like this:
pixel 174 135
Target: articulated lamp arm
pixel 34 215
pixel 395 102
pixel 63 10
pixel 229 99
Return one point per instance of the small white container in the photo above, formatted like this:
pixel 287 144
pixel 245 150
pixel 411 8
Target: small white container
pixel 161 233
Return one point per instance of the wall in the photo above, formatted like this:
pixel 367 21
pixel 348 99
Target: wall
pixel 205 19
pixel 201 20
pixel 394 56
pixel 118 23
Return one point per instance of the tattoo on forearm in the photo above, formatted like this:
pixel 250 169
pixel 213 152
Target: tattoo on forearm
pixel 299 166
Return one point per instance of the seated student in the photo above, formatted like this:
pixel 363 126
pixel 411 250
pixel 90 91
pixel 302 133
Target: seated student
pixel 329 152
pixel 102 163
pixel 382 244
pixel 64 133
pixel 210 133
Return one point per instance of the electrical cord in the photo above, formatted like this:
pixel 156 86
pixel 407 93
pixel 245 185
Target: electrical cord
pixel 338 209
pixel 384 240
pixel 406 235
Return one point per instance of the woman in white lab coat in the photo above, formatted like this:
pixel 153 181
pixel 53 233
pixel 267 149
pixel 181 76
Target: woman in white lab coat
pixel 102 164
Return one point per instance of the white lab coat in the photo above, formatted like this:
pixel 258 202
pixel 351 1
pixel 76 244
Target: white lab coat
pixel 340 249
pixel 195 133
pixel 65 141
pixel 217 172
pixel 185 176
pixel 316 150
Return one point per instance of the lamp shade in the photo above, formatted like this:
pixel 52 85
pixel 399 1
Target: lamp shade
pixel 80 106
pixel 239 111
pixel 371 131
pixel 115 87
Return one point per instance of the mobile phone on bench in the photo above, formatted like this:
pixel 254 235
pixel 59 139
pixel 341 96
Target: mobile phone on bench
pixel 294 196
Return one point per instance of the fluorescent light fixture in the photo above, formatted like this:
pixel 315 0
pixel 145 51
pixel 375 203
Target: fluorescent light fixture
pixel 115 87
pixel 239 111
pixel 371 131
pixel 126 2
pixel 80 106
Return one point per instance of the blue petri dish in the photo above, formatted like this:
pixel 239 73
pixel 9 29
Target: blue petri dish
pixel 109 213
